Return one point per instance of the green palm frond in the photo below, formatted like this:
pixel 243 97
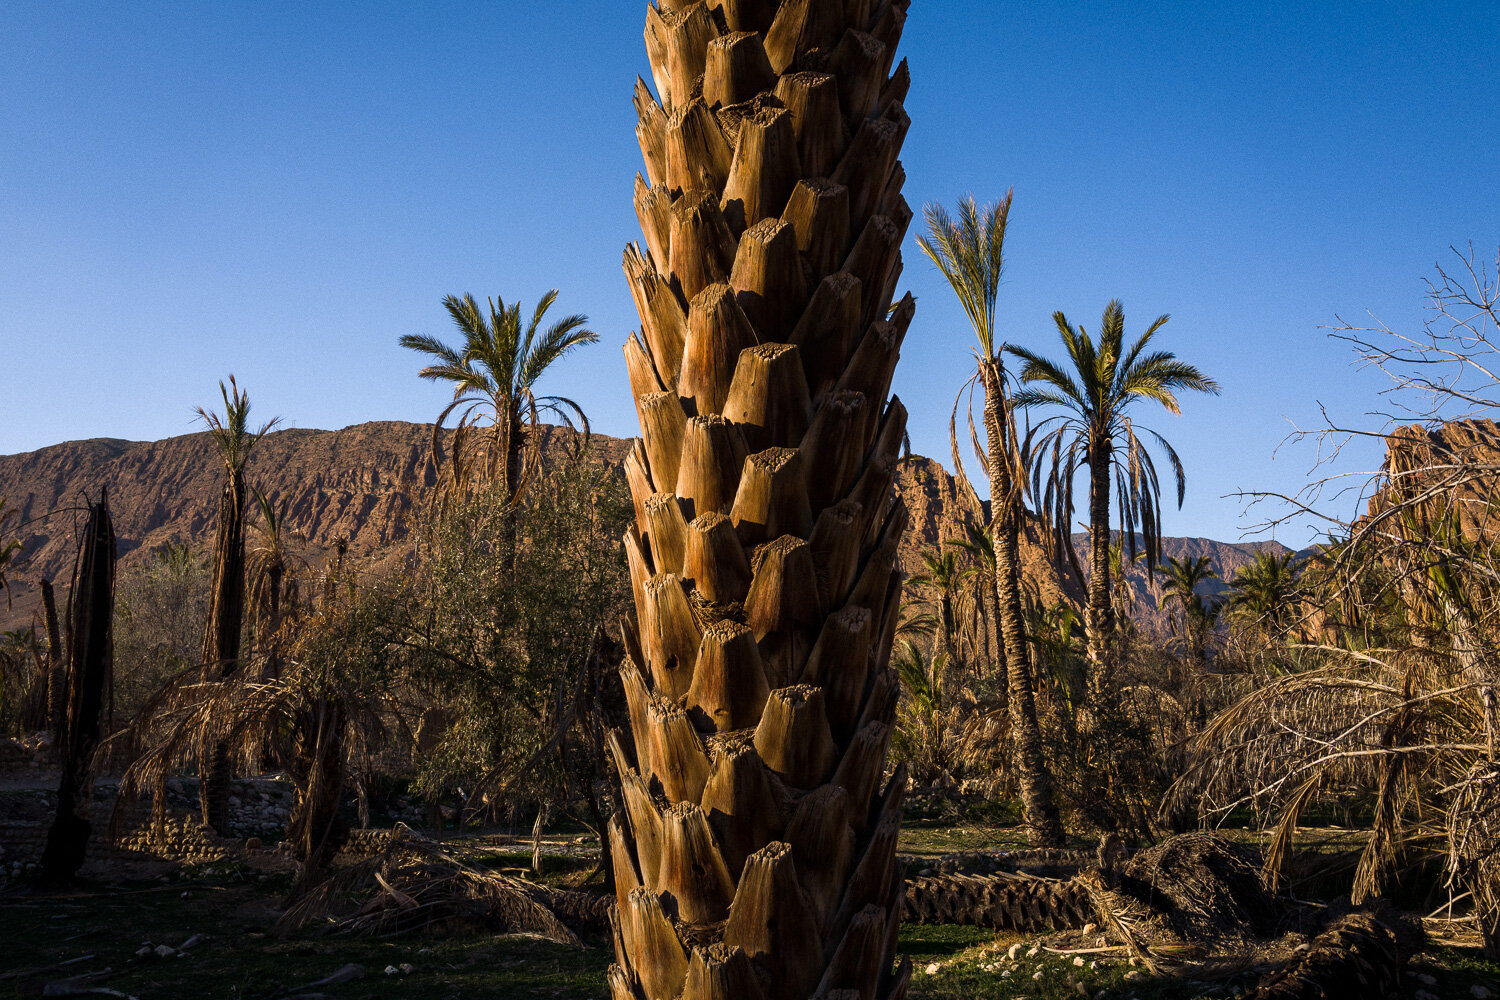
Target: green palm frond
pixel 231 433
pixel 970 251
pixel 493 374
pixel 1095 389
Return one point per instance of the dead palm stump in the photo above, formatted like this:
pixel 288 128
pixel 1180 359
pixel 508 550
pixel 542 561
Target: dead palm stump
pixel 91 619
pixel 755 853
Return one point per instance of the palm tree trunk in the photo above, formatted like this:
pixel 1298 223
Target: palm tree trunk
pixel 755 855
pixel 316 830
pixel 57 672
pixel 1043 824
pixel 91 645
pixel 221 640
pixel 1100 614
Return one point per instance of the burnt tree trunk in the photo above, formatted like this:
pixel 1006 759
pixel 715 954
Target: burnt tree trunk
pixel 91 617
pixel 316 829
pixel 221 642
pixel 755 855
pixel 57 671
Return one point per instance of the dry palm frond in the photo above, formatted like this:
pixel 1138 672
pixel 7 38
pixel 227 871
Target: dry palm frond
pixel 1358 955
pixel 421 885
pixel 1474 845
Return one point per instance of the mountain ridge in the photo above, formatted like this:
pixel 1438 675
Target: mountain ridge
pixel 360 483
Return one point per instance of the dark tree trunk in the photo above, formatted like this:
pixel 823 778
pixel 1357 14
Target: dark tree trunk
pixel 1100 620
pixel 91 644
pixel 1043 825
pixel 221 641
pixel 57 672
pixel 316 830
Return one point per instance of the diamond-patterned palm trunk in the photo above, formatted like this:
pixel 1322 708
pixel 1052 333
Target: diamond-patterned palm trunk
pixel 756 854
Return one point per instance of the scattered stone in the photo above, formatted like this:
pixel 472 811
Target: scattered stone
pixel 1078 961
pixel 165 951
pixel 406 968
pixel 1013 951
pixel 191 942
pixel 1090 928
pixel 1480 992
pixel 1037 974
pixel 1033 951
pixel 933 968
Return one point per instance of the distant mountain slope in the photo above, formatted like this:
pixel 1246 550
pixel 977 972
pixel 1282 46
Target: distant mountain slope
pixel 1224 557
pixel 361 483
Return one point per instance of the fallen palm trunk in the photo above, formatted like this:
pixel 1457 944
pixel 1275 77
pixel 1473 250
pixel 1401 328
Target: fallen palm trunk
pixel 1359 956
pixel 1004 902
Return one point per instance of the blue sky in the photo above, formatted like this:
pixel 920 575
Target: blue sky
pixel 281 190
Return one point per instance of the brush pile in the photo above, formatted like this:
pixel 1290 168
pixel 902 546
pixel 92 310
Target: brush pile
pixel 420 885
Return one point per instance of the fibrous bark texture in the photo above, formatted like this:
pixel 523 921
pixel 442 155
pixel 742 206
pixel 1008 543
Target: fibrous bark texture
pixel 91 618
pixel 754 856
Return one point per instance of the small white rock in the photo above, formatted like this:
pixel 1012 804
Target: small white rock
pixel 933 968
pixel 1089 928
pixel 165 951
pixel 1013 951
pixel 1078 961
pixel 391 970
pixel 1005 974
pixel 1033 951
pixel 1037 974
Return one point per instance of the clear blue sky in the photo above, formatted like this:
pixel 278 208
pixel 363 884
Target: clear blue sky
pixel 282 189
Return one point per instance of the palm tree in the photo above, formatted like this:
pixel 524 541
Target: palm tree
pixel 234 440
pixel 494 374
pixel 1264 592
pixel 1096 388
pixel 272 592
pixel 1182 582
pixel 941 574
pixel 762 557
pixel 970 251
pixel 983 607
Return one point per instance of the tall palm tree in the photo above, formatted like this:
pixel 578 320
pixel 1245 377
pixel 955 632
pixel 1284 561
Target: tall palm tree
pixel 235 440
pixel 494 375
pixel 1097 386
pixel 755 854
pixel 970 251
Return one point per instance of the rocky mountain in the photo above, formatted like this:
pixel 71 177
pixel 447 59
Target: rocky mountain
pixel 363 484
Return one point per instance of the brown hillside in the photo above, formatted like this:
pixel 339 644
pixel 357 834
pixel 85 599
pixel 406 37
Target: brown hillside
pixel 360 483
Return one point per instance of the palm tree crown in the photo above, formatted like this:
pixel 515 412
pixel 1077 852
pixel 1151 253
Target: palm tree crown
pixel 1097 388
pixel 493 374
pixel 971 254
pixel 231 433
